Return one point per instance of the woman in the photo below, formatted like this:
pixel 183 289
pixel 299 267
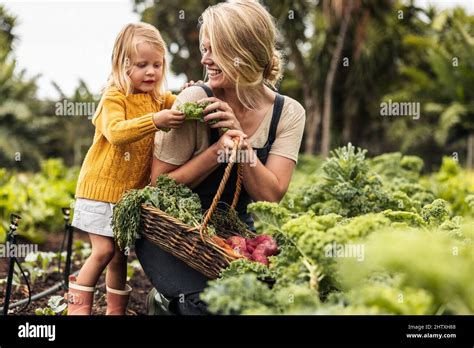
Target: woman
pixel 242 64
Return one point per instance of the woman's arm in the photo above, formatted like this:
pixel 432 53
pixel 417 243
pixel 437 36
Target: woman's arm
pixel 276 174
pixel 192 173
pixel 277 171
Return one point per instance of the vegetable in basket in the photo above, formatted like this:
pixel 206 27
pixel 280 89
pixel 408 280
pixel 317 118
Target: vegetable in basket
pixel 172 198
pixel 256 249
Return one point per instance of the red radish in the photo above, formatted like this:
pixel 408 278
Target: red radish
pixel 256 249
pixel 260 249
pixel 239 245
pixel 259 254
pixel 237 241
pixel 260 258
pixel 252 243
pixel 246 254
pixel 262 238
pixel 257 240
pixel 269 247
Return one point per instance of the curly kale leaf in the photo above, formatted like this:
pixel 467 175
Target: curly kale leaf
pixel 347 187
pixel 318 244
pixel 245 266
pixel 436 212
pixel 270 216
pixel 238 295
pixel 195 111
pixel 394 165
pixel 426 259
pixel 406 217
pixel 295 228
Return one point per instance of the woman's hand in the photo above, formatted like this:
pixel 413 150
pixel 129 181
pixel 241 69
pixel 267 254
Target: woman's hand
pixel 227 140
pixel 189 84
pixel 223 113
pixel 168 119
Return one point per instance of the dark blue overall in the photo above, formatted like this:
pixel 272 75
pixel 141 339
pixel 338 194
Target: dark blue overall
pixel 169 275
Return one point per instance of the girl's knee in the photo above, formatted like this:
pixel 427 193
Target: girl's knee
pixel 103 255
pixel 119 257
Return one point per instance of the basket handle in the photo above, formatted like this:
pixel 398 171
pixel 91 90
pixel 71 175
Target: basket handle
pixel 238 185
pixel 221 188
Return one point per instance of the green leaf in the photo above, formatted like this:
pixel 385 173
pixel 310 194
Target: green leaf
pixel 449 118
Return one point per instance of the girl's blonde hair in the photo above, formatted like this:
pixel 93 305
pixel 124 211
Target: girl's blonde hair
pixel 243 35
pixel 125 49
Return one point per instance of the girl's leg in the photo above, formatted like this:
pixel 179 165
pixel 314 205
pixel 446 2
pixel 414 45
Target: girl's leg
pixel 116 276
pixel 81 290
pixel 103 249
pixel 118 293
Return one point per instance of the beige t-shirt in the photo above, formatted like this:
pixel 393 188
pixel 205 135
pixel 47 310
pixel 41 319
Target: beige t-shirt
pixel 180 145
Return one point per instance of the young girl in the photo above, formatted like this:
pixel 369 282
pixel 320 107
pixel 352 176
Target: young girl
pixel 131 110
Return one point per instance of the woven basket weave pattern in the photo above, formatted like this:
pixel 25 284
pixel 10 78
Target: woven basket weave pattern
pixel 190 244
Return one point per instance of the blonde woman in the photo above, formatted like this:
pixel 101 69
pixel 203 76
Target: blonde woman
pixel 242 67
pixel 132 109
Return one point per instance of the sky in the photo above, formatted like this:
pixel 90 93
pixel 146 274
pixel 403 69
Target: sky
pixel 66 40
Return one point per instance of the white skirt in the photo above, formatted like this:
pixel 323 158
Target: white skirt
pixel 93 216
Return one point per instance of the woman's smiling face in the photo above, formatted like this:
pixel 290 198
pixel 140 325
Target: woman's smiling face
pixel 217 79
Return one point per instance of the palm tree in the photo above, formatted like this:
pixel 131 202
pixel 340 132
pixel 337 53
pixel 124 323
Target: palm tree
pixel 328 87
pixel 443 81
pixel 18 127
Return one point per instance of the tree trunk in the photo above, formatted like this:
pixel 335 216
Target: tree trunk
pixel 313 114
pixel 335 60
pixel 470 151
pixel 348 122
pixel 313 121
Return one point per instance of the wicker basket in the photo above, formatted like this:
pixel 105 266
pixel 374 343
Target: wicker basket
pixel 189 244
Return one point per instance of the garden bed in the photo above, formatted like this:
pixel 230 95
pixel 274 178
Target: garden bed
pixel 139 282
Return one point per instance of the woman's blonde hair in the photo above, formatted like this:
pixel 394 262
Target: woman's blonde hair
pixel 125 49
pixel 243 35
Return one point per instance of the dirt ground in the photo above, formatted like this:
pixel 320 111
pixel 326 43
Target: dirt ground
pixel 139 282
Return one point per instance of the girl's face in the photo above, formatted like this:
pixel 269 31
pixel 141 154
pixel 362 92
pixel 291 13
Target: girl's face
pixel 217 78
pixel 147 69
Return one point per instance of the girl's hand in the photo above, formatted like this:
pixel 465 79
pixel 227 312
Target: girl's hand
pixel 166 119
pixel 223 113
pixel 226 141
pixel 189 84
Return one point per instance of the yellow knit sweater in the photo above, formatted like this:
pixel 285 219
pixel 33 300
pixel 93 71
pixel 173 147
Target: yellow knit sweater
pixel 121 153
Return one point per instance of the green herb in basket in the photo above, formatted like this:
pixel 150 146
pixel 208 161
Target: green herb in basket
pixel 177 200
pixel 126 217
pixel 169 196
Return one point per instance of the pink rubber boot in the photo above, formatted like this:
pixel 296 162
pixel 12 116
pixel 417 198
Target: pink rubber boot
pixel 117 300
pixel 79 298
